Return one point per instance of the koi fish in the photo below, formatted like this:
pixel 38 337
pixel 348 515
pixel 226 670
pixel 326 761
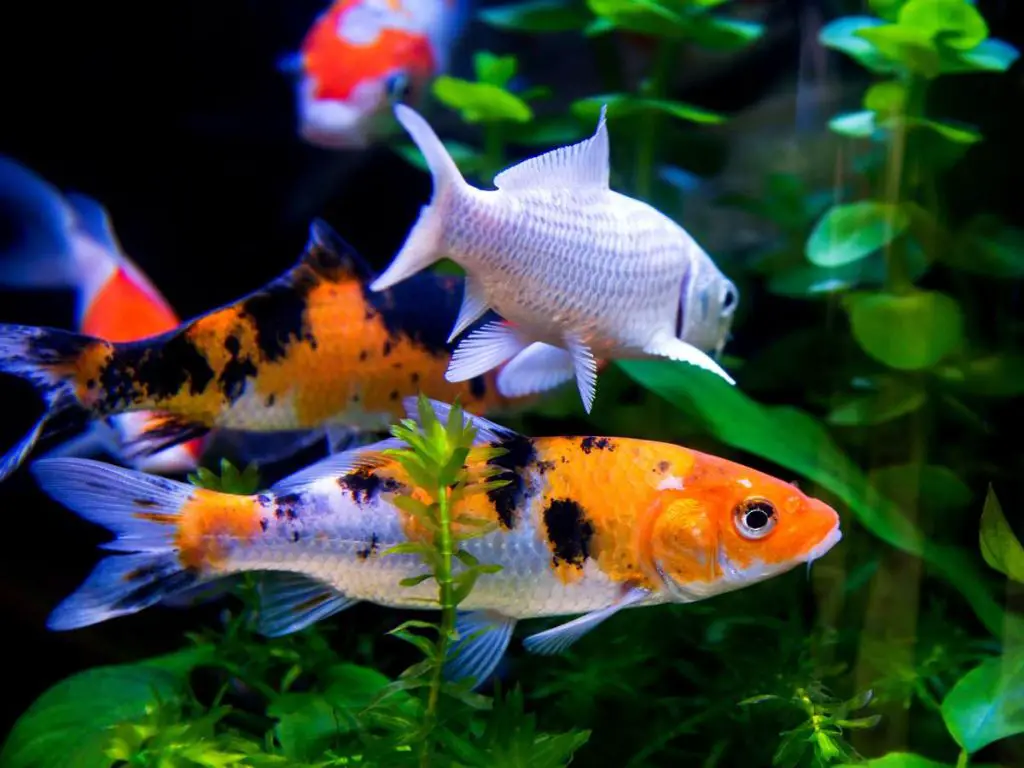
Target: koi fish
pixel 360 56
pixel 579 272
pixel 313 354
pixel 587 525
pixel 67 241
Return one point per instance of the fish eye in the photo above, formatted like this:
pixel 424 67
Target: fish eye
pixel 729 300
pixel 398 87
pixel 755 517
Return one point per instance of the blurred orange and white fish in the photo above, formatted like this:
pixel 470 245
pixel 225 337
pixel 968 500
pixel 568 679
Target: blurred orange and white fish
pixel 586 525
pixel 67 241
pixel 360 56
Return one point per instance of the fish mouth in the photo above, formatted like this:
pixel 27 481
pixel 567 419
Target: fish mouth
pixel 833 537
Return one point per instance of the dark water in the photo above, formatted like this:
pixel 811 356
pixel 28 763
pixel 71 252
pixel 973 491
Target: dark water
pixel 173 116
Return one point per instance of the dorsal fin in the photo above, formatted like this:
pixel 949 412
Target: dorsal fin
pixel 329 254
pixel 578 166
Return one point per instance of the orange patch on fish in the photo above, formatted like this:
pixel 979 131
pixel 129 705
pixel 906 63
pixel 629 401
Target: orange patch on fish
pixel 209 517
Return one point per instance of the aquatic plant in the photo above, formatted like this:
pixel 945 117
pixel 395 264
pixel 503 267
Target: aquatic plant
pixel 236 699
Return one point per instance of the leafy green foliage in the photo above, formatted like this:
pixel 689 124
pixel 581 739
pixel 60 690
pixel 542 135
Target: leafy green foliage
pixel 230 479
pixel 987 704
pixel 848 233
pixel 999 546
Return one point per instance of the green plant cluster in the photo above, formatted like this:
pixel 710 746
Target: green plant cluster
pixel 893 390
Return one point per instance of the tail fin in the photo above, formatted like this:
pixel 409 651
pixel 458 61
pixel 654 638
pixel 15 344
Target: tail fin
pixel 41 253
pixel 143 511
pixel 423 246
pixel 44 357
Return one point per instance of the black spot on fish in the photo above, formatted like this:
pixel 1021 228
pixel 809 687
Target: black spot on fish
pixel 370 549
pixel 394 394
pixel 264 524
pixel 159 368
pixel 569 532
pixel 264 500
pixel 287 506
pixel 145 503
pixel 278 312
pixel 545 466
pixel 295 535
pixel 478 386
pixel 663 466
pixel 387 347
pixel 520 453
pixel 365 485
pixel 422 309
pixel 237 371
pixel 588 444
pixel 363 355
pixel 151 582
pixel 415 378
pixel 271 399
pixel 90 384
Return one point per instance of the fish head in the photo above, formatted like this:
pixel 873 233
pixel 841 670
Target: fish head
pixel 707 306
pixel 357 62
pixel 726 526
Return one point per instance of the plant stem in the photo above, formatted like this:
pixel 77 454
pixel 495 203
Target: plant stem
pixel 445 598
pixel 963 759
pixel 654 89
pixel 494 150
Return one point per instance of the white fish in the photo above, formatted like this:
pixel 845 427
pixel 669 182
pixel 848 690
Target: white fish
pixel 578 272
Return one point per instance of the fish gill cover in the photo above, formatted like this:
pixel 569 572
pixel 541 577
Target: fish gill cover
pixel 877 356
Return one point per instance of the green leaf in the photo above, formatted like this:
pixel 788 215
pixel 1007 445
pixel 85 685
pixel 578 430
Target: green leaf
pixel 856 125
pixel 69 725
pixel 954 23
pixel 936 488
pixel 908 332
pixel 537 16
pixel 887 9
pixel 911 47
pixel 412 581
pixel 843 34
pixel 999 546
pixel 307 724
pixel 557 130
pixel 886 98
pixel 998 375
pixel 850 232
pixel 795 441
pixel 481 102
pixel 985 246
pixel 624 105
pixel 897 398
pixel 896 760
pixel 494 70
pixel 990 56
pixel 987 704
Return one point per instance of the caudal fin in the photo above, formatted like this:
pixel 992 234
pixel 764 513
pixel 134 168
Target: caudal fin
pixel 423 245
pixel 143 511
pixel 45 357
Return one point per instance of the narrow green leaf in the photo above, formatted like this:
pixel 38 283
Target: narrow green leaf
pixel 999 546
pixel 996 375
pixel 896 760
pixel 481 102
pixel 425 646
pixel 624 105
pixel 413 581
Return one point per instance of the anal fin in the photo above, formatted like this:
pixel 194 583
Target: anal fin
pixel 677 349
pixel 558 639
pixel 474 306
pixel 537 368
pixel 484 350
pixel 291 601
pixel 483 640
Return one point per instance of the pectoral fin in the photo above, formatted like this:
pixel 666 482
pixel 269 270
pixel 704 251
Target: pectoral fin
pixel 290 602
pixel 558 639
pixel 483 639
pixel 586 370
pixel 677 349
pixel 537 368
pixel 484 350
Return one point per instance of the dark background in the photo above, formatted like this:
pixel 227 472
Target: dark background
pixel 174 117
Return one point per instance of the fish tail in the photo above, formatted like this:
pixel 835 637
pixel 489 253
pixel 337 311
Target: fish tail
pixel 48 359
pixel 176 536
pixel 146 514
pixel 424 245
pixel 41 254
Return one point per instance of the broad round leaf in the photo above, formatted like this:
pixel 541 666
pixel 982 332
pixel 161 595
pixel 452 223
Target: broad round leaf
pixel 848 233
pixel 494 70
pixel 842 35
pixel 987 704
pixel 481 102
pixel 887 9
pixel 858 125
pixel 908 46
pixel 952 22
pixel 990 56
pixel 895 399
pixel 537 16
pixel 67 727
pixel 623 105
pixel 999 545
pixel 886 98
pixel 910 332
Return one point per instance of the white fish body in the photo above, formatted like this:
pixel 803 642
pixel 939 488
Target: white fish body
pixel 578 270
